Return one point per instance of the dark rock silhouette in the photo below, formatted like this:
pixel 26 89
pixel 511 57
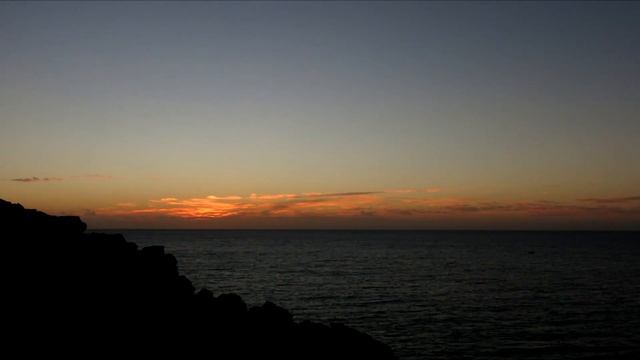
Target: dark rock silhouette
pixel 65 290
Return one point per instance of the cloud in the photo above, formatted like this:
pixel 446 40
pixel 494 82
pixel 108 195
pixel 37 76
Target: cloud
pixel 400 191
pixel 45 179
pixel 213 197
pixel 350 193
pixel 377 207
pixel 309 195
pixel 255 196
pixel 36 179
pixel 126 204
pixel 430 190
pixel 612 200
pixel 212 206
pixel 468 207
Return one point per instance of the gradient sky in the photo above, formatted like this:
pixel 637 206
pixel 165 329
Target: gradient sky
pixel 323 115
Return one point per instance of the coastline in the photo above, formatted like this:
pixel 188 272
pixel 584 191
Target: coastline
pixel 95 282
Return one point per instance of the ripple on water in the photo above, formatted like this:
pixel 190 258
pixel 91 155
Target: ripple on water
pixel 436 295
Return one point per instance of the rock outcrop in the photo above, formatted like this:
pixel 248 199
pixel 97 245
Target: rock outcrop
pixel 65 290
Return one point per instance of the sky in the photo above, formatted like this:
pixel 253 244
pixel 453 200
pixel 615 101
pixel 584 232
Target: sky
pixel 416 115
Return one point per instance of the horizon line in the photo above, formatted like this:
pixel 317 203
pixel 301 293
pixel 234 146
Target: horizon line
pixel 372 229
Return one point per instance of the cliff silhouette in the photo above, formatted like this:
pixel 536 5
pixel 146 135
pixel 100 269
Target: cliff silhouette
pixel 67 290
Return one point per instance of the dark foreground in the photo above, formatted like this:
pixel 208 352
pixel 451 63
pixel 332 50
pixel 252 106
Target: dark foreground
pixel 66 291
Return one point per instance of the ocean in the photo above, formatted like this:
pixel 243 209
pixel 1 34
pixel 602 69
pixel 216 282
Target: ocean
pixel 434 294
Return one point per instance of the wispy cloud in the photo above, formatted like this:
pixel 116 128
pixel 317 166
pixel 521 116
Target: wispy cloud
pixel 415 206
pixel 430 190
pixel 358 193
pixel 310 195
pixel 213 206
pixel 612 200
pixel 213 197
pixel 46 179
pixel 126 204
pixel 36 179
pixel 255 196
pixel 400 191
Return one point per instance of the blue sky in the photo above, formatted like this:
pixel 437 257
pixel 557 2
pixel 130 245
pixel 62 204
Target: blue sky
pixel 508 102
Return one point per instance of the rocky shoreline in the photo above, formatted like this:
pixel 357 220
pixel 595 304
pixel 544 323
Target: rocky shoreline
pixel 67 286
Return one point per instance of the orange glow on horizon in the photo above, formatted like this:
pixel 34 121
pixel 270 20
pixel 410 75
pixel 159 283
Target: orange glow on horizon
pixel 391 204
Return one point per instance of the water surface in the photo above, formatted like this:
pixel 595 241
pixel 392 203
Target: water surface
pixel 435 295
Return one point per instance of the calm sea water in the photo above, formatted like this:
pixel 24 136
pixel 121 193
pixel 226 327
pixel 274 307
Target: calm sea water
pixel 435 295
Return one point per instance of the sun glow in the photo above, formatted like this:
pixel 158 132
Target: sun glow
pixel 390 204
